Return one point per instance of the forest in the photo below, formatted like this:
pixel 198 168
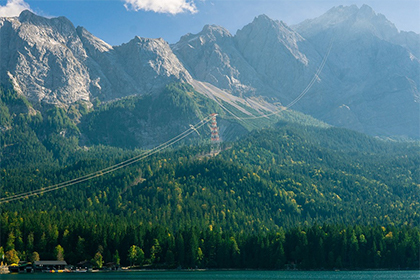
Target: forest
pixel 143 246
pixel 274 198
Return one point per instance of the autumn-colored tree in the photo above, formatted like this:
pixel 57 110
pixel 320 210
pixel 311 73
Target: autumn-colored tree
pixel 97 260
pixel 59 253
pixel 12 257
pixel 132 254
pixel 34 257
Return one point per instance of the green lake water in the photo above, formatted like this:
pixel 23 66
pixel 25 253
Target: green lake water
pixel 226 275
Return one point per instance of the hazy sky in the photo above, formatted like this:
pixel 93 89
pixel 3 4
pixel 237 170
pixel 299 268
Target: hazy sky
pixel 118 21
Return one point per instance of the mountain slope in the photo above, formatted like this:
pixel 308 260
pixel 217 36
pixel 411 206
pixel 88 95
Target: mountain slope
pixel 375 88
pixel 290 178
pixel 147 121
pixel 43 58
pixel 276 52
pixel 370 82
pixel 212 56
pixel 59 64
pixel 269 179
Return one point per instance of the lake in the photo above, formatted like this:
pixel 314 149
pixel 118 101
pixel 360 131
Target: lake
pixel 226 275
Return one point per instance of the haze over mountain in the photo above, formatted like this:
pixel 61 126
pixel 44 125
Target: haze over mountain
pixel 374 80
pixel 370 81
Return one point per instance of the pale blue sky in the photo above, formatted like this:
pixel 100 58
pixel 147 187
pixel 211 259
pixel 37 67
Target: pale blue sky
pixel 117 23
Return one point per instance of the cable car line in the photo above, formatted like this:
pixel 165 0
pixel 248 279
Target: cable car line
pixel 192 129
pixel 108 169
pixel 300 96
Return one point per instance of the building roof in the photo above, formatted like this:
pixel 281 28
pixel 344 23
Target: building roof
pixel 39 263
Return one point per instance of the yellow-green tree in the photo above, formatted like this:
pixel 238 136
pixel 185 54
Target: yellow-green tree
pixel 140 257
pixel 132 254
pixel 59 253
pixel 97 260
pixel 12 257
pixel 1 254
pixel 34 257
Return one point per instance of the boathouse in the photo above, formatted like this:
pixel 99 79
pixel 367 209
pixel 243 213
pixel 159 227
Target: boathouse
pixel 49 265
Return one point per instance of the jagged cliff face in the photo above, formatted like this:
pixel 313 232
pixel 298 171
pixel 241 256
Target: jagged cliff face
pixel 151 64
pixel 211 56
pixel 273 50
pixel 373 78
pixel 263 58
pixel 43 58
pixel 50 61
pixel 370 82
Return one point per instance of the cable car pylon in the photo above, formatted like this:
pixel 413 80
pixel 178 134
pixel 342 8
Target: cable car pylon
pixel 215 139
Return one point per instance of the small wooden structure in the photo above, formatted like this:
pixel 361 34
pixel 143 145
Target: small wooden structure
pixel 49 265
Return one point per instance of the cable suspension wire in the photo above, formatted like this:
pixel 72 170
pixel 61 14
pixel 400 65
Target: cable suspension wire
pixel 300 96
pixel 235 116
pixel 163 146
pixel 110 168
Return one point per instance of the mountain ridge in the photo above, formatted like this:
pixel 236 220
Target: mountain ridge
pixel 59 64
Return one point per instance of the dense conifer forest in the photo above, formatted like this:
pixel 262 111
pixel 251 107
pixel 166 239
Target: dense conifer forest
pixel 285 196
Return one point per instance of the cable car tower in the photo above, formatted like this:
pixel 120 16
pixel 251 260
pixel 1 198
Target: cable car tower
pixel 215 139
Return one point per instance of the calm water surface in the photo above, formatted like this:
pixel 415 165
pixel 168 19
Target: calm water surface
pixel 226 275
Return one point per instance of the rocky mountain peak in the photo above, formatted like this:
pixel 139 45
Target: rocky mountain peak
pixel 212 56
pixel 209 34
pixel 265 21
pixel 91 42
pixel 271 27
pixel 43 59
pixel 146 59
pixel 366 11
pixel 142 45
pixel 348 20
pixel 28 16
pixel 215 30
pixel 265 37
pixel 61 24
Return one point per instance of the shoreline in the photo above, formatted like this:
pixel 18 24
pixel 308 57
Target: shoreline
pixel 248 269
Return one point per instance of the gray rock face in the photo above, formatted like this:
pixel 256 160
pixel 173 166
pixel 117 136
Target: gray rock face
pixel 151 64
pixel 108 77
pixel 43 58
pixel 370 82
pixel 410 41
pixel 372 69
pixel 212 56
pixel 49 60
pixel 256 61
pixel 341 19
pixel 275 52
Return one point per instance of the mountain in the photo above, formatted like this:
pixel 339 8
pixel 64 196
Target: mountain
pixel 375 85
pixel 212 56
pixel 271 178
pixel 369 83
pixel 277 53
pixel 50 61
pixel 262 59
pixel 43 59
pixel 290 178
pixel 121 134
